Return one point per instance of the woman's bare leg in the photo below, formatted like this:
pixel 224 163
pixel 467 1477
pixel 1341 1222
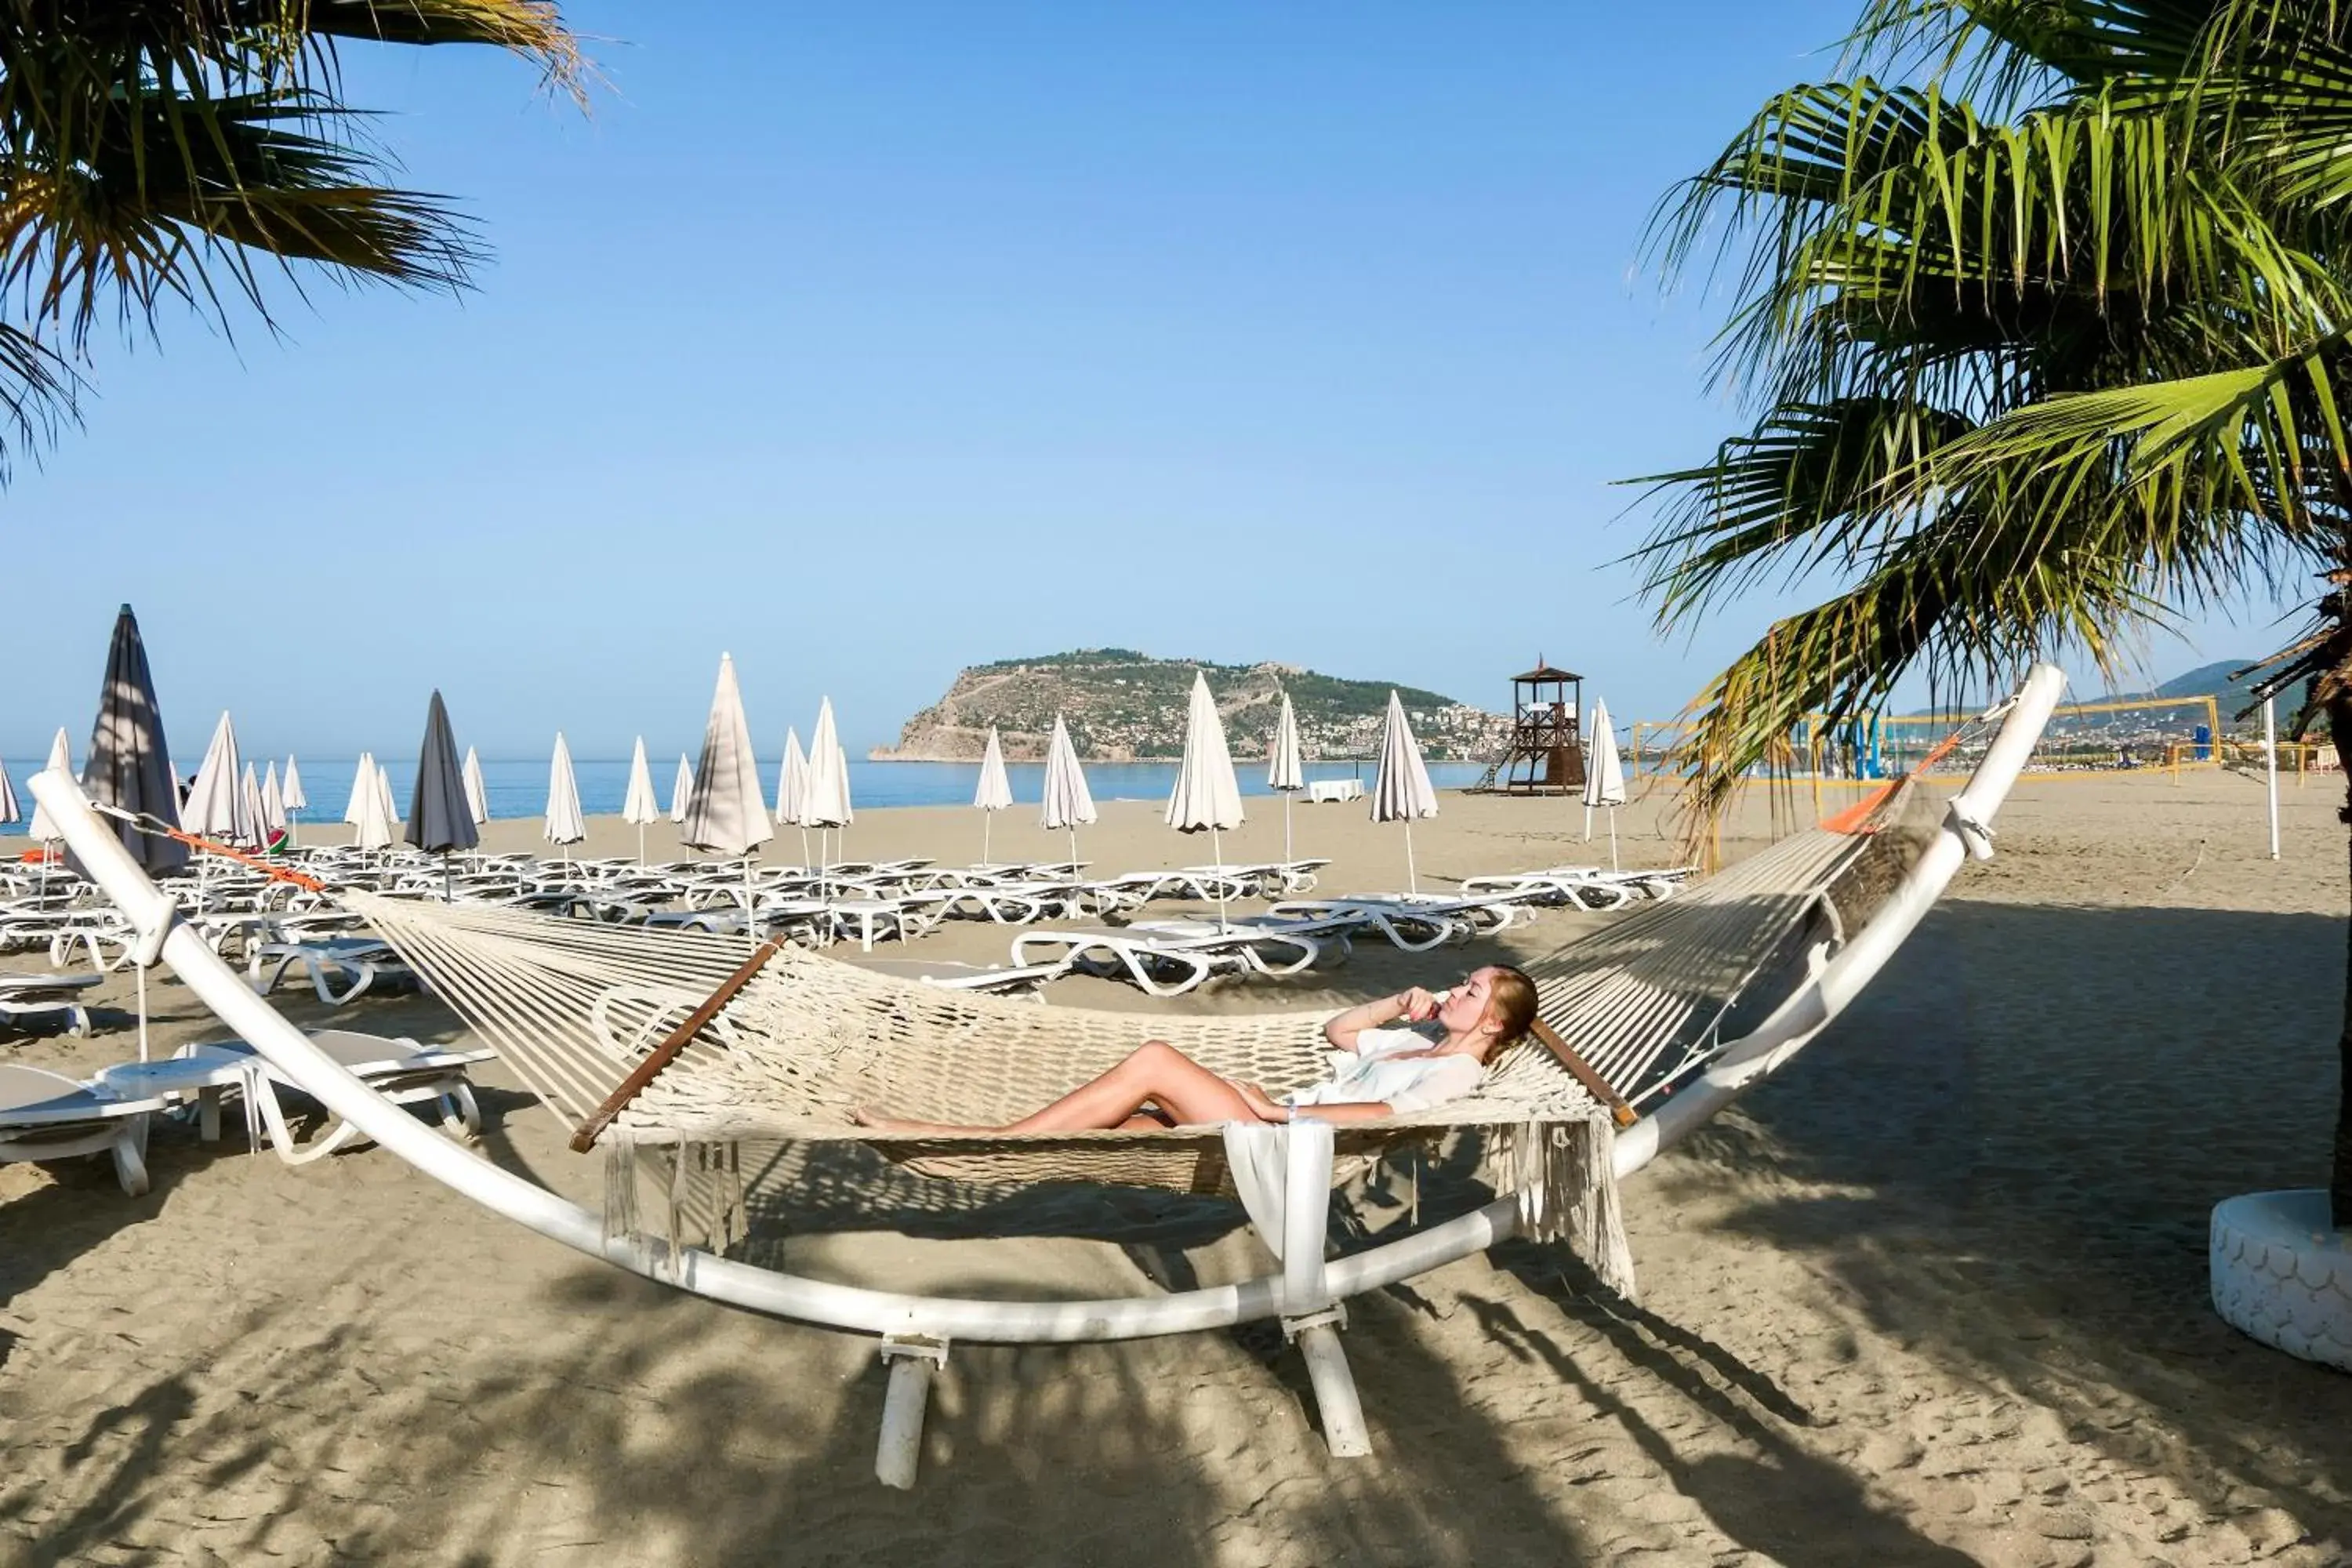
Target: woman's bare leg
pixel 1156 1074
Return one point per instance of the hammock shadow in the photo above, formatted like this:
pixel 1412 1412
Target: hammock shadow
pixel 2033 1112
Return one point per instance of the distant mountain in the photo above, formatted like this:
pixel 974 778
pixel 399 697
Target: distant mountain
pixel 1122 705
pixel 2213 680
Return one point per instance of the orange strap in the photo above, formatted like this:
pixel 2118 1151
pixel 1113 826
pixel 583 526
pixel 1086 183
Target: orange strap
pixel 1852 818
pixel 275 873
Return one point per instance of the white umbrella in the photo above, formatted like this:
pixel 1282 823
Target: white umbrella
pixel 1068 803
pixel 216 807
pixel 391 804
pixel 477 794
pixel 363 780
pixel 9 810
pixel 377 825
pixel 1403 792
pixel 1604 777
pixel 297 802
pixel 640 807
pixel 45 832
pixel 1284 772
pixel 1207 795
pixel 249 808
pixel 728 814
pixel 681 789
pixel 273 805
pixel 995 790
pixel 564 825
pixel 792 788
pixel 827 805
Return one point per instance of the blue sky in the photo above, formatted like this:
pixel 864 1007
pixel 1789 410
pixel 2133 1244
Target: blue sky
pixel 866 341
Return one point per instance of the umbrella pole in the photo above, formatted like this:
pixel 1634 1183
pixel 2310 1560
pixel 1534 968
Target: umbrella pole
pixel 448 891
pixel 143 1009
pixel 1217 853
pixel 1588 821
pixel 1286 854
pixel 1074 852
pixel 641 843
pixel 1412 877
pixel 1612 838
pixel 987 822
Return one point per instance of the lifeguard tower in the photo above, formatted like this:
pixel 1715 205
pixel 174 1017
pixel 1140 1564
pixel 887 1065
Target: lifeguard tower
pixel 1547 755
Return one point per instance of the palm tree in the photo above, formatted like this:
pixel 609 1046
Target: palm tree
pixel 178 152
pixel 2043 329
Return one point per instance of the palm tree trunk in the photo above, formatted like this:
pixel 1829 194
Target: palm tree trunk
pixel 2339 1184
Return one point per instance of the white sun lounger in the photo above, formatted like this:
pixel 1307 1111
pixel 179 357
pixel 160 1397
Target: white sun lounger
pixel 364 959
pixel 401 1070
pixel 46 1115
pixel 1002 979
pixel 27 997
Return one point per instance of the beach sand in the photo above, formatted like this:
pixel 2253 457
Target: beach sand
pixel 1934 1295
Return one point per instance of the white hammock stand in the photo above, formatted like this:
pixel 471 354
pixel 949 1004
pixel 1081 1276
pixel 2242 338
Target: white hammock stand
pixel 1284 1172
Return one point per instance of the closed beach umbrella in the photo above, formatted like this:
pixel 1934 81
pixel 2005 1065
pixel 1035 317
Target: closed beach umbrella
pixel 383 789
pixel 9 810
pixel 477 794
pixel 273 803
pixel 792 788
pixel 1284 774
pixel 1604 778
pixel 362 781
pixel 249 808
pixel 640 806
pixel 1403 792
pixel 728 814
pixel 214 807
pixel 129 765
pixel 440 818
pixel 1207 795
pixel 995 790
pixel 827 805
pixel 1068 803
pixel 376 828
pixel 681 789
pixel 45 832
pixel 129 768
pixel 297 802
pixel 564 824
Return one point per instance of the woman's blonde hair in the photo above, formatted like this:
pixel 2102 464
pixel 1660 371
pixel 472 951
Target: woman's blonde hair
pixel 1510 1003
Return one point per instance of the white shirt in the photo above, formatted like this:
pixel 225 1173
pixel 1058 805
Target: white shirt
pixel 1379 1069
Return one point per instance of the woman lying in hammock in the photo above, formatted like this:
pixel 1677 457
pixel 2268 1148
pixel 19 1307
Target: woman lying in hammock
pixel 1442 1054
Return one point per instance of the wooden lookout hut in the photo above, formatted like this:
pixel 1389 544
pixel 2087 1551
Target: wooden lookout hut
pixel 1547 755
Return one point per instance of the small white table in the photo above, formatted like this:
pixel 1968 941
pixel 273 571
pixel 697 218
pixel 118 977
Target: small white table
pixel 1325 792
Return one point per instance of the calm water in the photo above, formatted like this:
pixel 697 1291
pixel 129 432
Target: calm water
pixel 519 788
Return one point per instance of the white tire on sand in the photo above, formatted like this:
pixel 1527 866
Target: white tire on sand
pixel 2283 1274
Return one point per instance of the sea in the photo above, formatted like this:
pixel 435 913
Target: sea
pixel 517 787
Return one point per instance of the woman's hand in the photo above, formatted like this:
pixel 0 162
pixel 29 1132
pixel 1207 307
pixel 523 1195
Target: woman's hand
pixel 1261 1105
pixel 1416 1005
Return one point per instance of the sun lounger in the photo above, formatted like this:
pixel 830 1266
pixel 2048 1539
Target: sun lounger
pixel 1167 958
pixel 401 1070
pixel 1002 979
pixel 366 961
pixel 46 1115
pixel 27 997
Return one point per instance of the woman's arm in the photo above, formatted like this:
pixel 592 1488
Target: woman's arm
pixel 1414 1004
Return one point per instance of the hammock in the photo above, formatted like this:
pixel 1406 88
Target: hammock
pixel 574 1005
pixel 1679 1008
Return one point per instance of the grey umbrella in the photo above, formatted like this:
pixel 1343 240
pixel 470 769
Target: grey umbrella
pixel 129 767
pixel 439 816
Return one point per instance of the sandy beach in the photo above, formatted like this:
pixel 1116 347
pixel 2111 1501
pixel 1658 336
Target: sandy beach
pixel 1936 1295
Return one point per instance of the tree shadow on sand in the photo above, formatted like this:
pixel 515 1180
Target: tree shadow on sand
pixel 2037 1108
